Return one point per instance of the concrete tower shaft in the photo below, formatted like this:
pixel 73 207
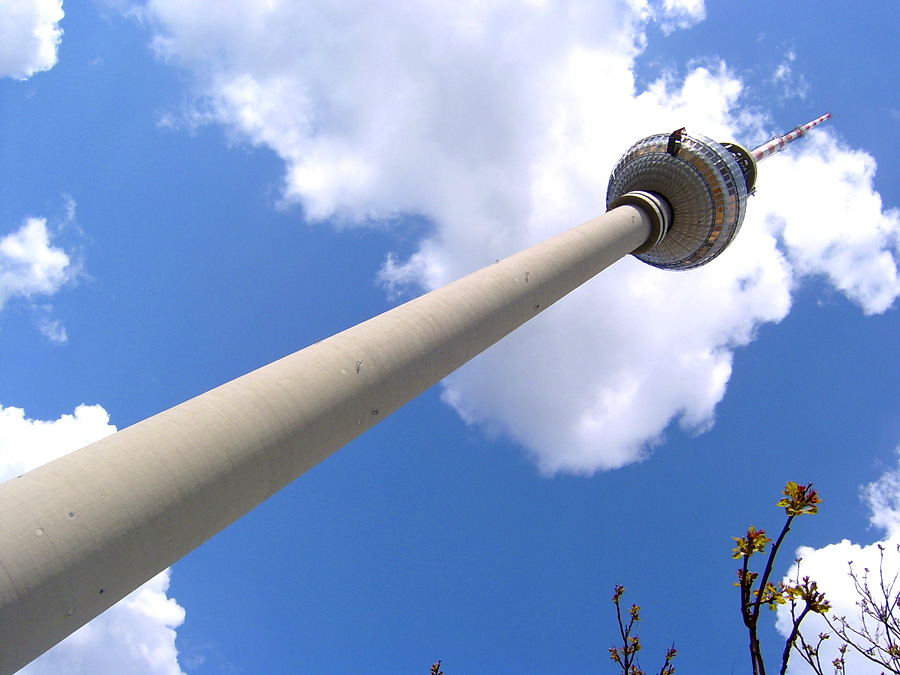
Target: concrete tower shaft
pixel 80 533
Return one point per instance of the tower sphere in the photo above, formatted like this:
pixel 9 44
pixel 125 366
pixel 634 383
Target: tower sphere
pixel 704 182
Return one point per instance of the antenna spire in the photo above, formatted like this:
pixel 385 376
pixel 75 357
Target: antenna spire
pixel 780 143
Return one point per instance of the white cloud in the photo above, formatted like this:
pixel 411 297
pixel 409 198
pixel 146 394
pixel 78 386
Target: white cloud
pixel 883 498
pixel 29 265
pixel 681 14
pixel 788 83
pixel 53 329
pixel 829 567
pixel 499 122
pixel 821 202
pixel 137 635
pixel 29 36
pixel 26 443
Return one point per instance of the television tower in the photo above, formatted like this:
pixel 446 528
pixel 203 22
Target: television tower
pixel 80 533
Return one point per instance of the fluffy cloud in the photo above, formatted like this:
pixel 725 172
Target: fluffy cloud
pixel 839 229
pixel 677 14
pixel 499 122
pixel 137 635
pixel 29 36
pixel 829 567
pixel 26 443
pixel 29 265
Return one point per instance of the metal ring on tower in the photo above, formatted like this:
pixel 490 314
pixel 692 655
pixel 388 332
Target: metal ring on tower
pixel 701 181
pixel 656 208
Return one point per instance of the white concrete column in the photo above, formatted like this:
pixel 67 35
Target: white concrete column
pixel 80 533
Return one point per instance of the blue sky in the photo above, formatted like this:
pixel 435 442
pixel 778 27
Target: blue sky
pixel 190 190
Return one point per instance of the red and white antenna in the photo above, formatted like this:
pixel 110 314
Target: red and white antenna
pixel 780 143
